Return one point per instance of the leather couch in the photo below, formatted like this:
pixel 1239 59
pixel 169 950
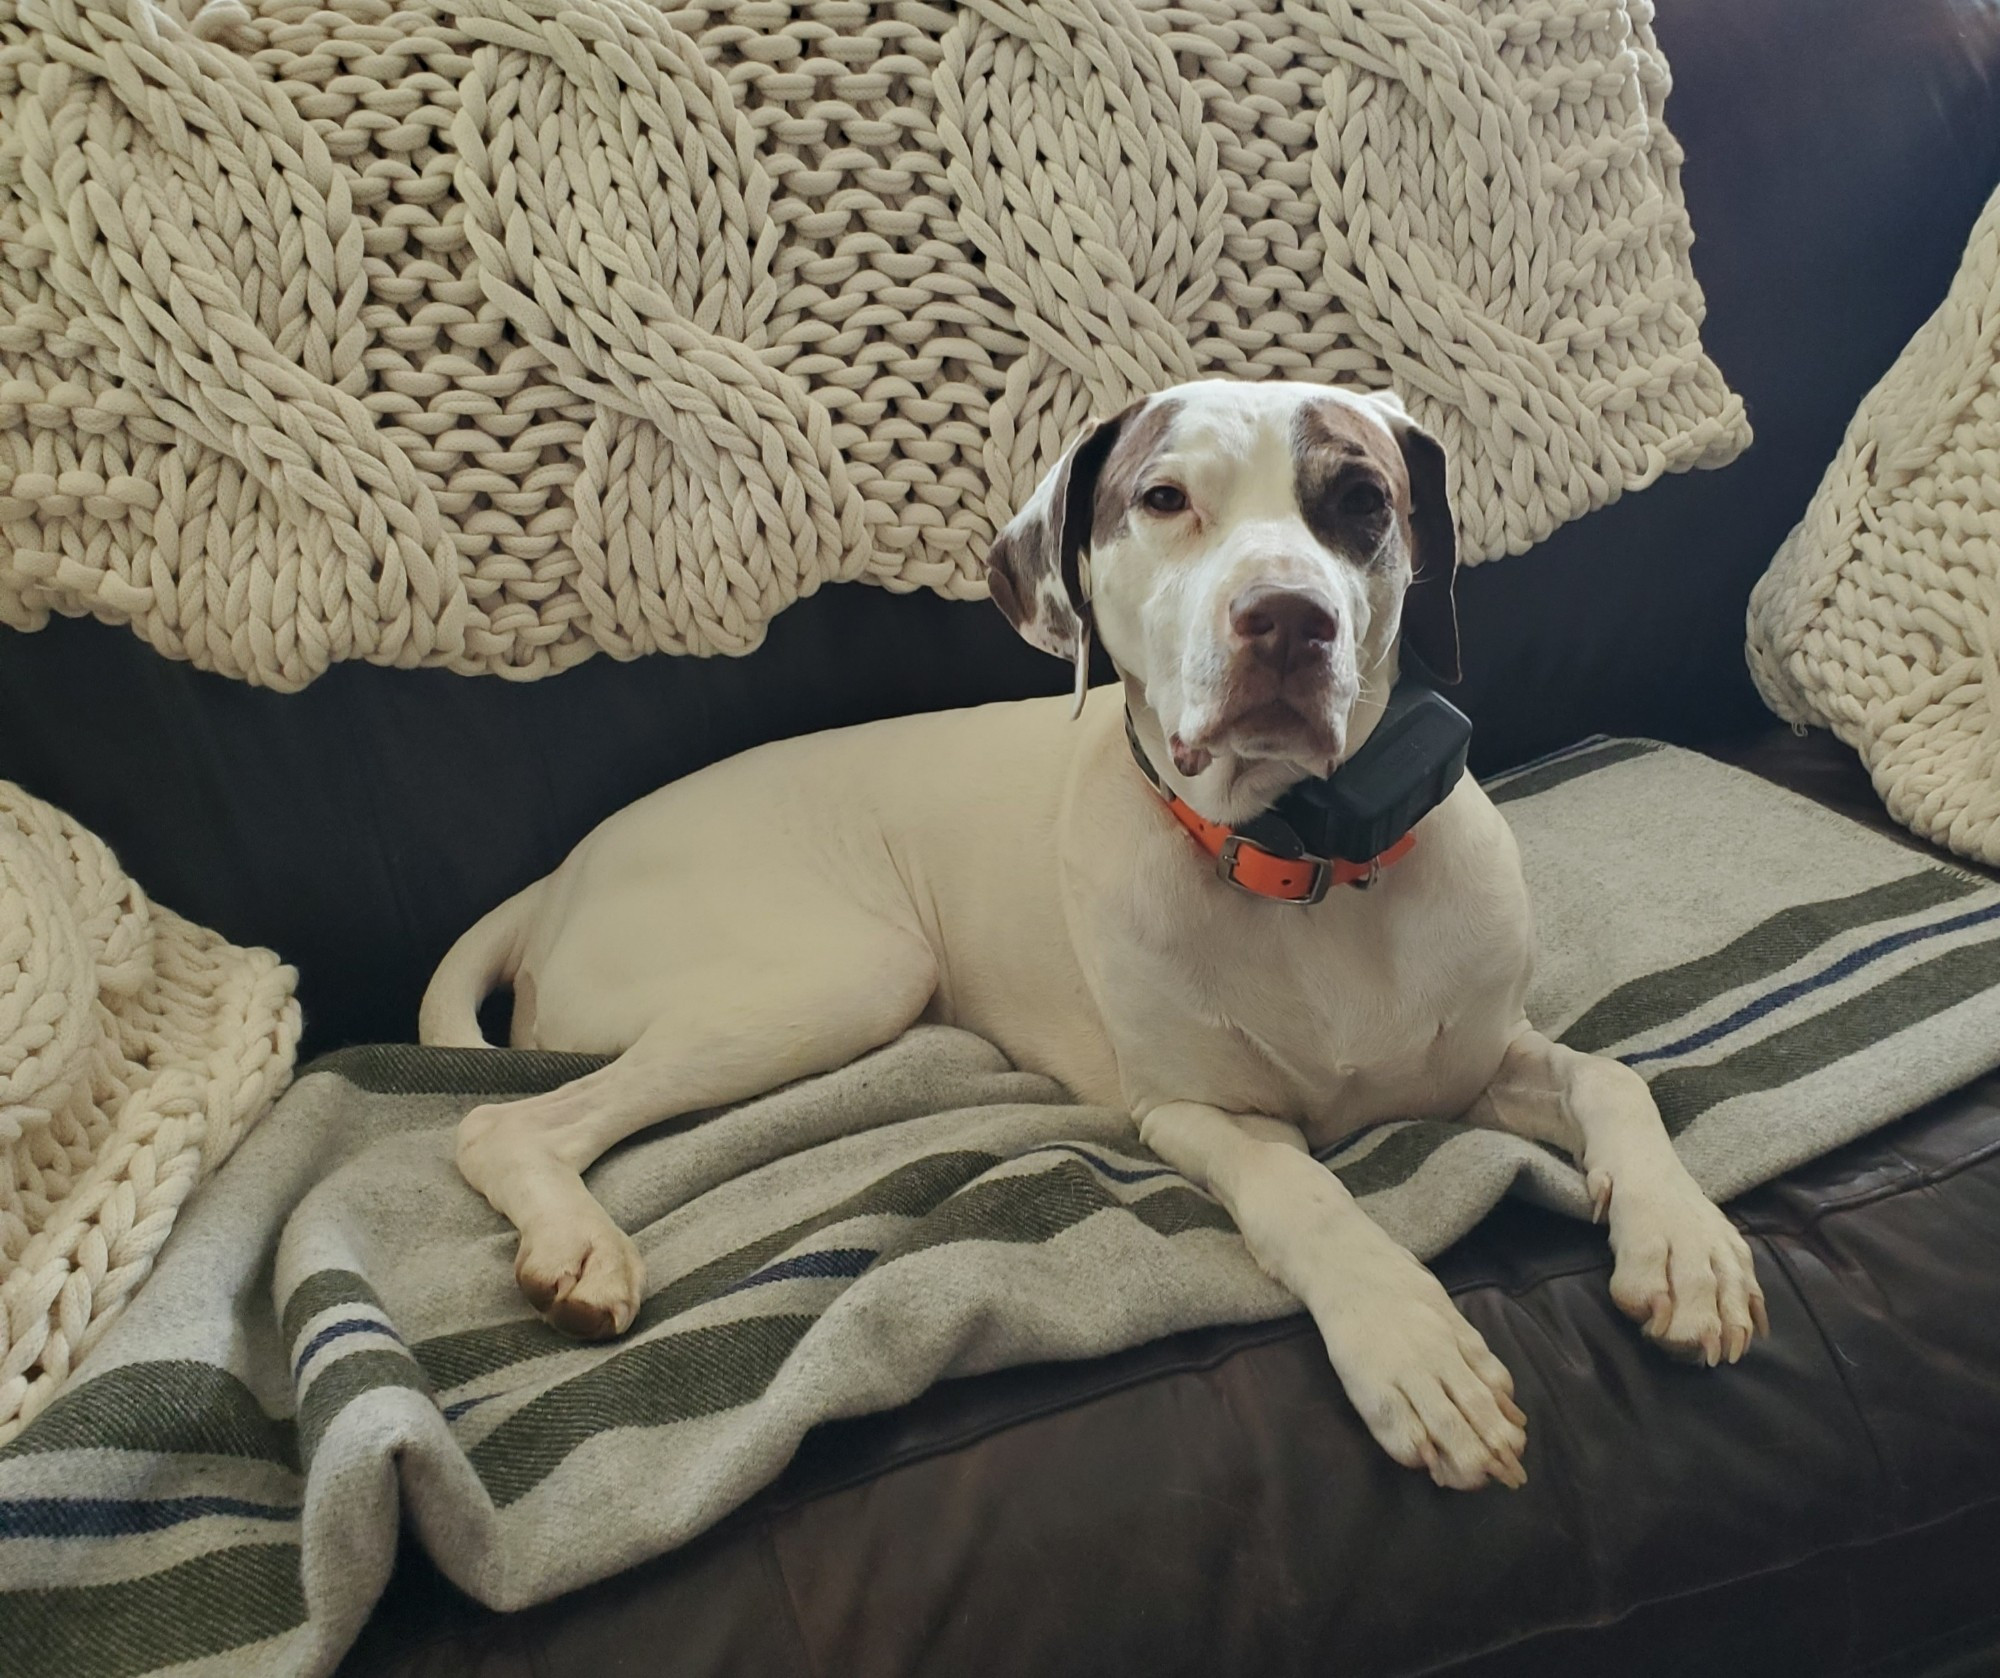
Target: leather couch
pixel 1210 1504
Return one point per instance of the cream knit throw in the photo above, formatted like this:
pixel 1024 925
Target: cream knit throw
pixel 135 1051
pixel 1880 616
pixel 493 333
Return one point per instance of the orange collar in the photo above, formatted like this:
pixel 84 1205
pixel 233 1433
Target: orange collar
pixel 1274 863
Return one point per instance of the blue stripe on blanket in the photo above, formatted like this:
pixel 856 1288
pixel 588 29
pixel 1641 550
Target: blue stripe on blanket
pixel 826 1263
pixel 1757 1008
pixel 112 1517
pixel 1117 1173
pixel 336 1331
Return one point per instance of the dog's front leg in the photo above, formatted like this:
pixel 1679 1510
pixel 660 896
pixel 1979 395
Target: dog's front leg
pixel 1682 1271
pixel 1417 1371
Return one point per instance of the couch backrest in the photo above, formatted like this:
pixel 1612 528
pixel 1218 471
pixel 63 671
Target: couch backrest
pixel 1837 154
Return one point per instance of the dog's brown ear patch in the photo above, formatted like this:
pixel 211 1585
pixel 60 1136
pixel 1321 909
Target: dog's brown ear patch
pixel 1024 577
pixel 1034 569
pixel 1430 606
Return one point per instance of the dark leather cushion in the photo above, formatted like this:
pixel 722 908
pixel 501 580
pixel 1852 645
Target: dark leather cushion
pixel 1837 154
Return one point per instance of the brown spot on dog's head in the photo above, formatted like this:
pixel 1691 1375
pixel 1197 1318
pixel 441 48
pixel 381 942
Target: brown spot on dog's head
pixel 1143 430
pixel 1361 482
pixel 1352 483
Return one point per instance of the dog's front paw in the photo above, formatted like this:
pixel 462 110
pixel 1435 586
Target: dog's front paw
pixel 1683 1272
pixel 585 1280
pixel 1421 1376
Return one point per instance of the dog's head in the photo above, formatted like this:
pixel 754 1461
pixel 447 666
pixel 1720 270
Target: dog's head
pixel 1251 555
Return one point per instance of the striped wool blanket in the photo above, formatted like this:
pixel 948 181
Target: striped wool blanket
pixel 333 1343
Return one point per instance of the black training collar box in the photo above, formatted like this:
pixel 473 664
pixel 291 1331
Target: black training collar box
pixel 1407 768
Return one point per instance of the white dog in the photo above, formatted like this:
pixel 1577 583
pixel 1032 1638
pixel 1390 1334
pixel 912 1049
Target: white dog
pixel 1251 556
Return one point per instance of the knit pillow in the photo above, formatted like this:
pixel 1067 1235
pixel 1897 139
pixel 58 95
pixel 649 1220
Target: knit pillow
pixel 135 1051
pixel 1880 616
pixel 494 337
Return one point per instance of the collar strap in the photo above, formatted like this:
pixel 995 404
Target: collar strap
pixel 1265 857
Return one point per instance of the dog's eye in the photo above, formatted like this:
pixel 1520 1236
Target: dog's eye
pixel 1165 498
pixel 1362 500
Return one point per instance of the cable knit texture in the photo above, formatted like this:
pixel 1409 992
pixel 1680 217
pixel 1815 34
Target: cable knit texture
pixel 493 333
pixel 135 1051
pixel 1880 616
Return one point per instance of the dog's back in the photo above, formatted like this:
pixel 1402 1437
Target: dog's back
pixel 942 827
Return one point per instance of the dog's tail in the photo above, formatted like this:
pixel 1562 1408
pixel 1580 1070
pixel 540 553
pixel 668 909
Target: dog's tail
pixel 486 956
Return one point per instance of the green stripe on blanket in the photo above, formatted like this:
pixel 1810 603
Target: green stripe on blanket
pixel 711 1369
pixel 1029 1208
pixel 1784 979
pixel 326 1291
pixel 209 1604
pixel 908 1191
pixel 1841 1032
pixel 346 1380
pixel 406 1069
pixel 1552 772
pixel 1767 948
pixel 173 1406
pixel 671 1379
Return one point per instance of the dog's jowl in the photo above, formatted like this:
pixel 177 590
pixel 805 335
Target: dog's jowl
pixel 1139 894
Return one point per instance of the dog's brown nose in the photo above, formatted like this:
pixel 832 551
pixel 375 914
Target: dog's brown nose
pixel 1281 625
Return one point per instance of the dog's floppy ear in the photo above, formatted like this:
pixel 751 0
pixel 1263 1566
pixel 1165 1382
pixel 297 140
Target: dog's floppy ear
pixel 1430 607
pixel 1034 569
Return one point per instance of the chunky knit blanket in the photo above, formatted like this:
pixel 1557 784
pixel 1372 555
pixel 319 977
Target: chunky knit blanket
pixel 494 333
pixel 333 1345
pixel 1880 616
pixel 135 1051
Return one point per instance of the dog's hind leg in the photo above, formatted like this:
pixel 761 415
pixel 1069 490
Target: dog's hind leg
pixel 742 1023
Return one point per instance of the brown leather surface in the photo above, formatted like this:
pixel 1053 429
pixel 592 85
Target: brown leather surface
pixel 1210 1504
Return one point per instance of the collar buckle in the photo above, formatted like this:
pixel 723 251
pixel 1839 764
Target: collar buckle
pixel 1316 889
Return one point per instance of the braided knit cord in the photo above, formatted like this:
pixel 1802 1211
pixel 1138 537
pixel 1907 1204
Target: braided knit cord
pixel 135 1051
pixel 495 333
pixel 1880 616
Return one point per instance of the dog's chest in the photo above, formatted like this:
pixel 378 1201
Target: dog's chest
pixel 1393 1003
